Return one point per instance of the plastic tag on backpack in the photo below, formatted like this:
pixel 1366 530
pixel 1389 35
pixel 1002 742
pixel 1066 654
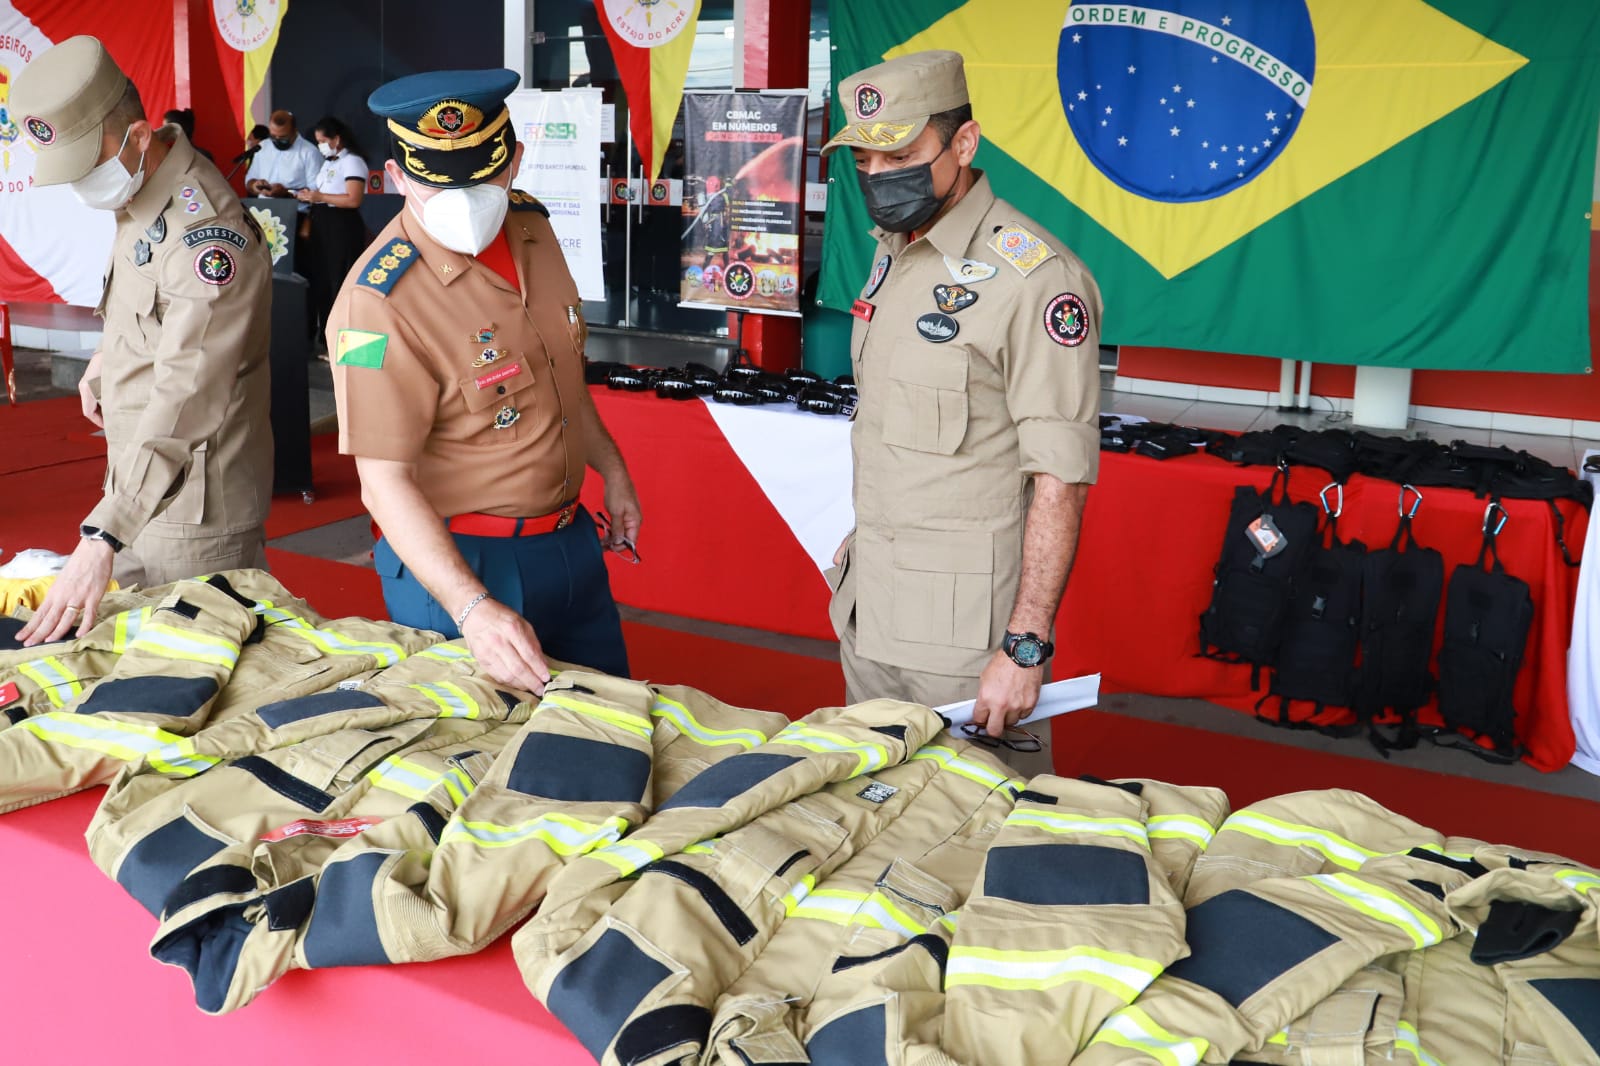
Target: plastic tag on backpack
pixel 1265 536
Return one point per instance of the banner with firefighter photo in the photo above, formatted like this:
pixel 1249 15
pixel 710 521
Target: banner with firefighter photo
pixel 742 200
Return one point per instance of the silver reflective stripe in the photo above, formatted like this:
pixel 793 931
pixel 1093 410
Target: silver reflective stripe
pixel 1336 849
pixel 1181 827
pixel 680 716
pixel 1132 1028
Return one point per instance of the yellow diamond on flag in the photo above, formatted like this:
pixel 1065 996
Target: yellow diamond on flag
pixel 1385 69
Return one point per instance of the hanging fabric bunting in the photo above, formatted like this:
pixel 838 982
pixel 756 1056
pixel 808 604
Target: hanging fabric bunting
pixel 247 33
pixel 651 41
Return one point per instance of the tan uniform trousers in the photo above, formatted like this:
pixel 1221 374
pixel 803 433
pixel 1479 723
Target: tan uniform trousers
pixel 867 679
pixel 154 559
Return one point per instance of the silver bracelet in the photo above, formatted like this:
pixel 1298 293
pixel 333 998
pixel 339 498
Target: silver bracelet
pixel 461 619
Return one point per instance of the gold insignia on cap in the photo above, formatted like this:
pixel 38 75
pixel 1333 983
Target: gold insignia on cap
pixel 450 119
pixel 880 133
pixel 496 157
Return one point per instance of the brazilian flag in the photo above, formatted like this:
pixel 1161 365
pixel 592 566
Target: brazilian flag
pixel 1386 182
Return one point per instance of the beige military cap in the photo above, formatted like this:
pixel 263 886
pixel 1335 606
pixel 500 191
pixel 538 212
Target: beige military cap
pixel 888 105
pixel 61 99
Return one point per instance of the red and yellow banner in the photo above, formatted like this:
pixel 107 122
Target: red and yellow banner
pixel 246 33
pixel 651 41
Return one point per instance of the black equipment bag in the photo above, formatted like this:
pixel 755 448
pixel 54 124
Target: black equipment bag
pixel 1487 616
pixel 1401 587
pixel 1333 450
pixel 1317 656
pixel 1261 447
pixel 1264 549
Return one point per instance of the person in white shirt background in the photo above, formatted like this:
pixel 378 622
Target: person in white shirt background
pixel 286 163
pixel 338 235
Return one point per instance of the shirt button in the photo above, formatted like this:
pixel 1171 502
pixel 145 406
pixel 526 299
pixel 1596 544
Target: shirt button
pixel 563 422
pixel 565 482
pixel 501 390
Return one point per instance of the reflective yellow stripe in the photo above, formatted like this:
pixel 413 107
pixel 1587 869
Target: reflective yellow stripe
pixel 1132 1028
pixel 632 723
pixel 628 856
pixel 404 778
pixel 1181 827
pixel 451 700
pixel 1580 881
pixel 1381 904
pixel 185 645
pixel 705 847
pixel 1281 1038
pixel 843 907
pixel 680 716
pixel 562 834
pixel 450 653
pixel 869 756
pixel 1127 828
pixel 796 895
pixel 165 752
pixel 52 676
pixel 947 758
pixel 1336 849
pixel 1406 1040
pixel 1122 975
pixel 335 643
pixel 127 628
pixel 949 921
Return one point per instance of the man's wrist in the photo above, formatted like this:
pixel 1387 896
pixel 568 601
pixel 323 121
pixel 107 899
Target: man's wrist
pixel 88 532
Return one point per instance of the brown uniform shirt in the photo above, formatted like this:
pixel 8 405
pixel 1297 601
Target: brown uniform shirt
pixel 976 351
pixel 438 360
pixel 184 384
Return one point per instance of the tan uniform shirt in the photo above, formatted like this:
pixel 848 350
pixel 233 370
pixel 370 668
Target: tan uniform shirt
pixel 439 361
pixel 976 351
pixel 185 385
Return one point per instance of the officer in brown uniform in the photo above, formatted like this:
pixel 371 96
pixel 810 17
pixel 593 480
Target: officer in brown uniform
pixel 457 350
pixel 182 376
pixel 975 348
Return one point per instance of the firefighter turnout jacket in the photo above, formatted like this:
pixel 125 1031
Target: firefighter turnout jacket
pixel 720 886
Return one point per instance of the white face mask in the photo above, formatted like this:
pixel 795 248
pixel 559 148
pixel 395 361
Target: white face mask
pixel 109 185
pixel 464 220
pixel 328 151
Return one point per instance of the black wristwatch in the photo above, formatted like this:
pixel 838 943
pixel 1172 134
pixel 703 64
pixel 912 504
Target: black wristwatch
pixel 1026 649
pixel 96 533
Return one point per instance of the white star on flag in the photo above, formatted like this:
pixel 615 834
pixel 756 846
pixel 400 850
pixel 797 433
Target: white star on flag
pixel 1163 101
pixel 1274 131
pixel 1084 96
pixel 1174 131
pixel 1177 88
pixel 1108 110
pixel 1213 164
pixel 1191 103
pixel 1239 162
pixel 1205 144
pixel 1133 70
pixel 1266 144
pixel 1076 38
pixel 1227 21
pixel 1271 115
pixel 1123 141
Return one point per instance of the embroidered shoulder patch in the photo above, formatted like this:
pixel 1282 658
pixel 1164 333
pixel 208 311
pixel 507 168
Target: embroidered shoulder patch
pixel 521 201
pixel 1021 248
pixel 202 234
pixel 385 268
pixel 358 347
pixel 214 266
pixel 1066 320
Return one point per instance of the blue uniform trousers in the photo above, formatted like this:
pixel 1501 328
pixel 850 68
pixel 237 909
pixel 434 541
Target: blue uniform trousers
pixel 557 581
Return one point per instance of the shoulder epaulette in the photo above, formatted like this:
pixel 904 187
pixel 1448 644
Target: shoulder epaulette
pixel 385 268
pixel 521 201
pixel 1021 248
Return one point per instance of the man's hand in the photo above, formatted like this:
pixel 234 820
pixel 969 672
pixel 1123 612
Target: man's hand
pixel 275 188
pixel 838 553
pixel 74 596
pixel 86 396
pixel 1007 693
pixel 622 503
pixel 506 647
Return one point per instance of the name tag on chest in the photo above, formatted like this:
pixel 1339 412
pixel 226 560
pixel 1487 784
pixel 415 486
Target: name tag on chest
pixel 862 310
pixel 495 377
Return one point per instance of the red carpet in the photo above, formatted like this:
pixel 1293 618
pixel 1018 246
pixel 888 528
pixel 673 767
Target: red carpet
pixel 43 433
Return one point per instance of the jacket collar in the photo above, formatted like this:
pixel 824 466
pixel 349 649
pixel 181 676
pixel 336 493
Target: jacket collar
pixel 156 192
pixel 447 266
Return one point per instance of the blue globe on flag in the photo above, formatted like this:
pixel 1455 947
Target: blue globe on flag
pixel 1186 101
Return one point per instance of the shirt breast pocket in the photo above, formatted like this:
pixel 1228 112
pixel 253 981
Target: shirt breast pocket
pixel 500 401
pixel 925 396
pixel 132 308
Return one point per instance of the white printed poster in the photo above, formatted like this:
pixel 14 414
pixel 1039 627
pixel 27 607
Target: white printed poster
pixel 560 134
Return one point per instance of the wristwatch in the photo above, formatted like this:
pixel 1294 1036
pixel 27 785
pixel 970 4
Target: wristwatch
pixel 96 533
pixel 1026 649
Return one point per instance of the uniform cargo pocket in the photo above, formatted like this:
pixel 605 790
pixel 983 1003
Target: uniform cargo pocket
pixel 943 588
pixel 188 507
pixel 926 398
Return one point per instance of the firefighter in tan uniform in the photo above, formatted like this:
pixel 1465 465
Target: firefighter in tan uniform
pixel 183 374
pixel 458 370
pixel 975 347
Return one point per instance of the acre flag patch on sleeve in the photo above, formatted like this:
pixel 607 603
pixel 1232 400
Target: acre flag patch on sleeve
pixel 358 347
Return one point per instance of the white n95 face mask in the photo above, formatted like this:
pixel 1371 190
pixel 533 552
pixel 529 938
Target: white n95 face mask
pixel 109 185
pixel 465 220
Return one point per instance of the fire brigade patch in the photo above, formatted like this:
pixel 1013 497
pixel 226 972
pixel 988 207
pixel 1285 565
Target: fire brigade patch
pixel 214 266
pixel 880 270
pixel 41 131
pixel 953 298
pixel 215 233
pixel 1066 320
pixel 937 328
pixel 869 100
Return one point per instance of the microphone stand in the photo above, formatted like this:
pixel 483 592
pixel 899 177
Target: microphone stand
pixel 246 156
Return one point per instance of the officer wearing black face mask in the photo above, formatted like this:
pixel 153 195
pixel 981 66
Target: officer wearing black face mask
pixel 286 163
pixel 976 354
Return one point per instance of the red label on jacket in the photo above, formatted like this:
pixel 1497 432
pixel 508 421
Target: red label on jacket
pixel 495 377
pixel 9 693
pixel 862 310
pixel 344 827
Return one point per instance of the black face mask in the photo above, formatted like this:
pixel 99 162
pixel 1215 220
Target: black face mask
pixel 902 200
pixel 283 144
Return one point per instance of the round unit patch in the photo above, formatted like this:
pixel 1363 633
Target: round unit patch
pixel 880 270
pixel 214 266
pixel 40 130
pixel 1067 320
pixel 869 100
pixel 740 280
pixel 937 327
